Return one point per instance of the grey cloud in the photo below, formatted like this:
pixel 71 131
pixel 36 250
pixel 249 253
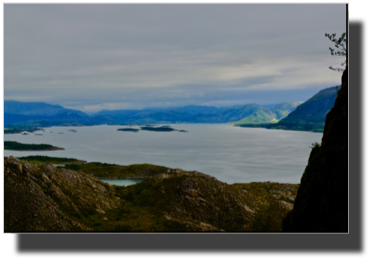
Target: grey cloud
pixel 94 55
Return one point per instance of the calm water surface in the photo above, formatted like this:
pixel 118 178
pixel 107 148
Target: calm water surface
pixel 122 182
pixel 231 154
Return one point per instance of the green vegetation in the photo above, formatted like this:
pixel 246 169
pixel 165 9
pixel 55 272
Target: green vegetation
pixel 315 145
pixel 128 217
pixel 153 206
pixel 261 115
pixel 313 127
pixel 309 116
pixel 256 119
pixel 254 125
pixel 114 171
pixel 52 160
pixel 273 200
pixel 158 129
pixel 278 126
pixel 251 113
pixel 12 145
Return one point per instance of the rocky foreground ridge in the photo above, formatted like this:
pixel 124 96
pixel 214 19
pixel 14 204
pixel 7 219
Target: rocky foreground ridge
pixel 44 198
pixel 322 199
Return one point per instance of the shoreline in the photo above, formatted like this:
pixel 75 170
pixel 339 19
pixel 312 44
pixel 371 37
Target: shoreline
pixel 55 149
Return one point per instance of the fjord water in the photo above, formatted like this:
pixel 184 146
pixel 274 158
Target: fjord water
pixel 122 182
pixel 230 154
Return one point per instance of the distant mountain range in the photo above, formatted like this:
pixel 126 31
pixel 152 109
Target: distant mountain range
pixel 21 114
pixel 37 109
pixel 288 115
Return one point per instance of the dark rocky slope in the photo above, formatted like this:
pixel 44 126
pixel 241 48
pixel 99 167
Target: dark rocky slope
pixel 321 204
pixel 44 198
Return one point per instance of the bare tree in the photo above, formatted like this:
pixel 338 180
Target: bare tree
pixel 339 50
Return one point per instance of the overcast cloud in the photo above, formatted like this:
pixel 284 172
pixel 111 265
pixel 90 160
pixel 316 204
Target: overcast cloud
pixel 93 57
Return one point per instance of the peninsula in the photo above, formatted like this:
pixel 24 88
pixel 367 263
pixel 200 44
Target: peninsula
pixel 21 130
pixel 52 160
pixel 16 146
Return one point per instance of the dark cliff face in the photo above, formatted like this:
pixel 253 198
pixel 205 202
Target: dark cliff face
pixel 321 204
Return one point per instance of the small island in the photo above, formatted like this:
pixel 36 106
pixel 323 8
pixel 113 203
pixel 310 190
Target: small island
pixel 158 129
pixel 152 129
pixel 16 146
pixel 128 130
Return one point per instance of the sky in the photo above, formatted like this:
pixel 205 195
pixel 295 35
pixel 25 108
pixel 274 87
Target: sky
pixel 93 57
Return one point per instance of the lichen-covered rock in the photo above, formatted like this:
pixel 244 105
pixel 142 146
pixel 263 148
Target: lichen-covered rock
pixel 192 201
pixel 195 202
pixel 42 198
